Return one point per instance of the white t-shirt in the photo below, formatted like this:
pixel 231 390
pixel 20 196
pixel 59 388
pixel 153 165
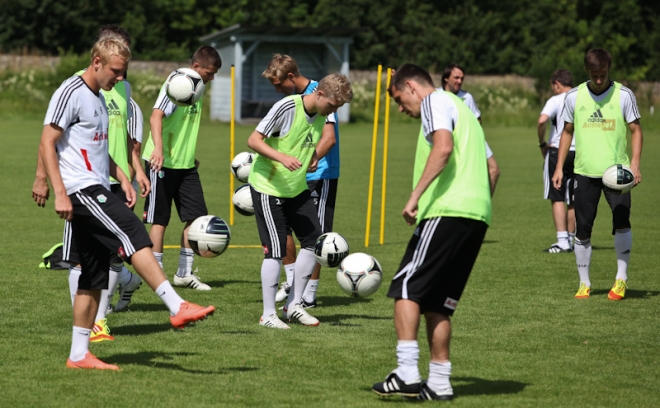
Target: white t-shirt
pixel 628 103
pixel 447 104
pixel 469 101
pixel 82 150
pixel 164 103
pixel 279 119
pixel 135 122
pixel 553 108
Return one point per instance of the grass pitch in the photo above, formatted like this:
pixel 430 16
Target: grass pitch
pixel 520 339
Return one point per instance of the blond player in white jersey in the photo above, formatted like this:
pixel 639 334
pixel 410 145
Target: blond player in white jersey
pixel 563 211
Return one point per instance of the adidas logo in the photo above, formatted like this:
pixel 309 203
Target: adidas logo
pixel 583 109
pixel 309 141
pixel 113 108
pixel 96 113
pixel 597 116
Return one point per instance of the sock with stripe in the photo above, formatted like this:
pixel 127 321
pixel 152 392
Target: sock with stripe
pixel 583 259
pixel 288 270
pixel 186 257
pixel 106 294
pixel 407 356
pixel 622 246
pixel 562 240
pixel 168 295
pixel 310 290
pixel 270 275
pixel 305 263
pixel 74 275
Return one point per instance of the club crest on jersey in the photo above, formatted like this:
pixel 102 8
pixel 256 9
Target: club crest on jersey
pixel 121 253
pixel 451 303
pixel 101 198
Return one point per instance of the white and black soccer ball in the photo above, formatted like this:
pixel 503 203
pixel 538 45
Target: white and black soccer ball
pixel 243 200
pixel 330 249
pixel 359 275
pixel 184 87
pixel 619 178
pixel 241 165
pixel 209 236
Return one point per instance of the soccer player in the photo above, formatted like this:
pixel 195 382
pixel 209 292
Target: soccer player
pixel 172 167
pixel 597 113
pixel 452 81
pixel 74 152
pixel 286 141
pixel 563 212
pixel 283 72
pixel 451 205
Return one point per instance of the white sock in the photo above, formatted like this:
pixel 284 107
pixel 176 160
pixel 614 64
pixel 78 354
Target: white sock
pixel 79 343
pixel 571 239
pixel 159 258
pixel 168 295
pixel 125 276
pixel 622 246
pixel 310 290
pixel 270 275
pixel 106 294
pixel 288 270
pixel 562 239
pixel 186 257
pixel 74 275
pixel 439 374
pixel 304 267
pixel 583 259
pixel 407 355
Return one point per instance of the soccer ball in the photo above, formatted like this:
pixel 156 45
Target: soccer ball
pixel 359 275
pixel 240 166
pixel 619 179
pixel 184 87
pixel 330 249
pixel 243 200
pixel 209 236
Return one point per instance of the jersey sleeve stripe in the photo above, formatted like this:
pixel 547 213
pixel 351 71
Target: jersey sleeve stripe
pixel 164 102
pixel 132 122
pixel 633 101
pixel 428 115
pixel 64 99
pixel 286 106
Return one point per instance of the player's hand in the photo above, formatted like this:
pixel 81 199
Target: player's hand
pixel 637 173
pixel 143 183
pixel 557 178
pixel 196 164
pixel 128 189
pixel 544 150
pixel 313 165
pixel 40 191
pixel 291 163
pixel 63 207
pixel 156 160
pixel 410 211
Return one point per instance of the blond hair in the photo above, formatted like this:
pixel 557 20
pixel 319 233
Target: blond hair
pixel 108 46
pixel 280 66
pixel 337 87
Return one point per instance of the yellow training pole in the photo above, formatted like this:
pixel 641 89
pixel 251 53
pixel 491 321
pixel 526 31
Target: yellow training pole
pixel 385 139
pixel 373 157
pixel 231 146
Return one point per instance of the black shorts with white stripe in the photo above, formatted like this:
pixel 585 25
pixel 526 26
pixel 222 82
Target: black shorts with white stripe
pixel 587 196
pixel 565 192
pixel 438 263
pixel 102 224
pixel 324 194
pixel 275 214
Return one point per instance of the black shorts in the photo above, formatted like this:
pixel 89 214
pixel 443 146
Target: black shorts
pixel 324 194
pixel 275 214
pixel 438 262
pixel 587 196
pixel 69 250
pixel 565 192
pixel 181 185
pixel 102 224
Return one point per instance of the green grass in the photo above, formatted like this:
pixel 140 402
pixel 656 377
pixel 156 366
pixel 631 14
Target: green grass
pixel 520 339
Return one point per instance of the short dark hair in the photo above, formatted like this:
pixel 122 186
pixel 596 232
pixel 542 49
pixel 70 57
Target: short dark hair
pixel 563 76
pixel 407 72
pixel 447 72
pixel 109 30
pixel 597 59
pixel 207 56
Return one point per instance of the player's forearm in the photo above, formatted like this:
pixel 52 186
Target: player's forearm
pixel 637 141
pixel 328 140
pixel 117 172
pixel 41 169
pixel 156 122
pixel 540 129
pixel 256 142
pixel 136 160
pixel 435 164
pixel 564 144
pixel 50 165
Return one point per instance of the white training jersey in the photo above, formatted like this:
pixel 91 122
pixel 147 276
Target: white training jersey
pixel 553 109
pixel 135 122
pixel 82 150
pixel 628 103
pixel 279 119
pixel 470 102
pixel 449 118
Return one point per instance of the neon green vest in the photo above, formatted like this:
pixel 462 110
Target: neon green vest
pixel 600 132
pixel 180 131
pixel 271 177
pixel 116 102
pixel 462 189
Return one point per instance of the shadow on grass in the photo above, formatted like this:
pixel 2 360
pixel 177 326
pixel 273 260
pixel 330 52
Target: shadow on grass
pixel 337 320
pixel 141 329
pixel 329 301
pixel 166 361
pixel 630 293
pixel 148 307
pixel 223 283
pixel 490 241
pixel 470 386
pixel 602 248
